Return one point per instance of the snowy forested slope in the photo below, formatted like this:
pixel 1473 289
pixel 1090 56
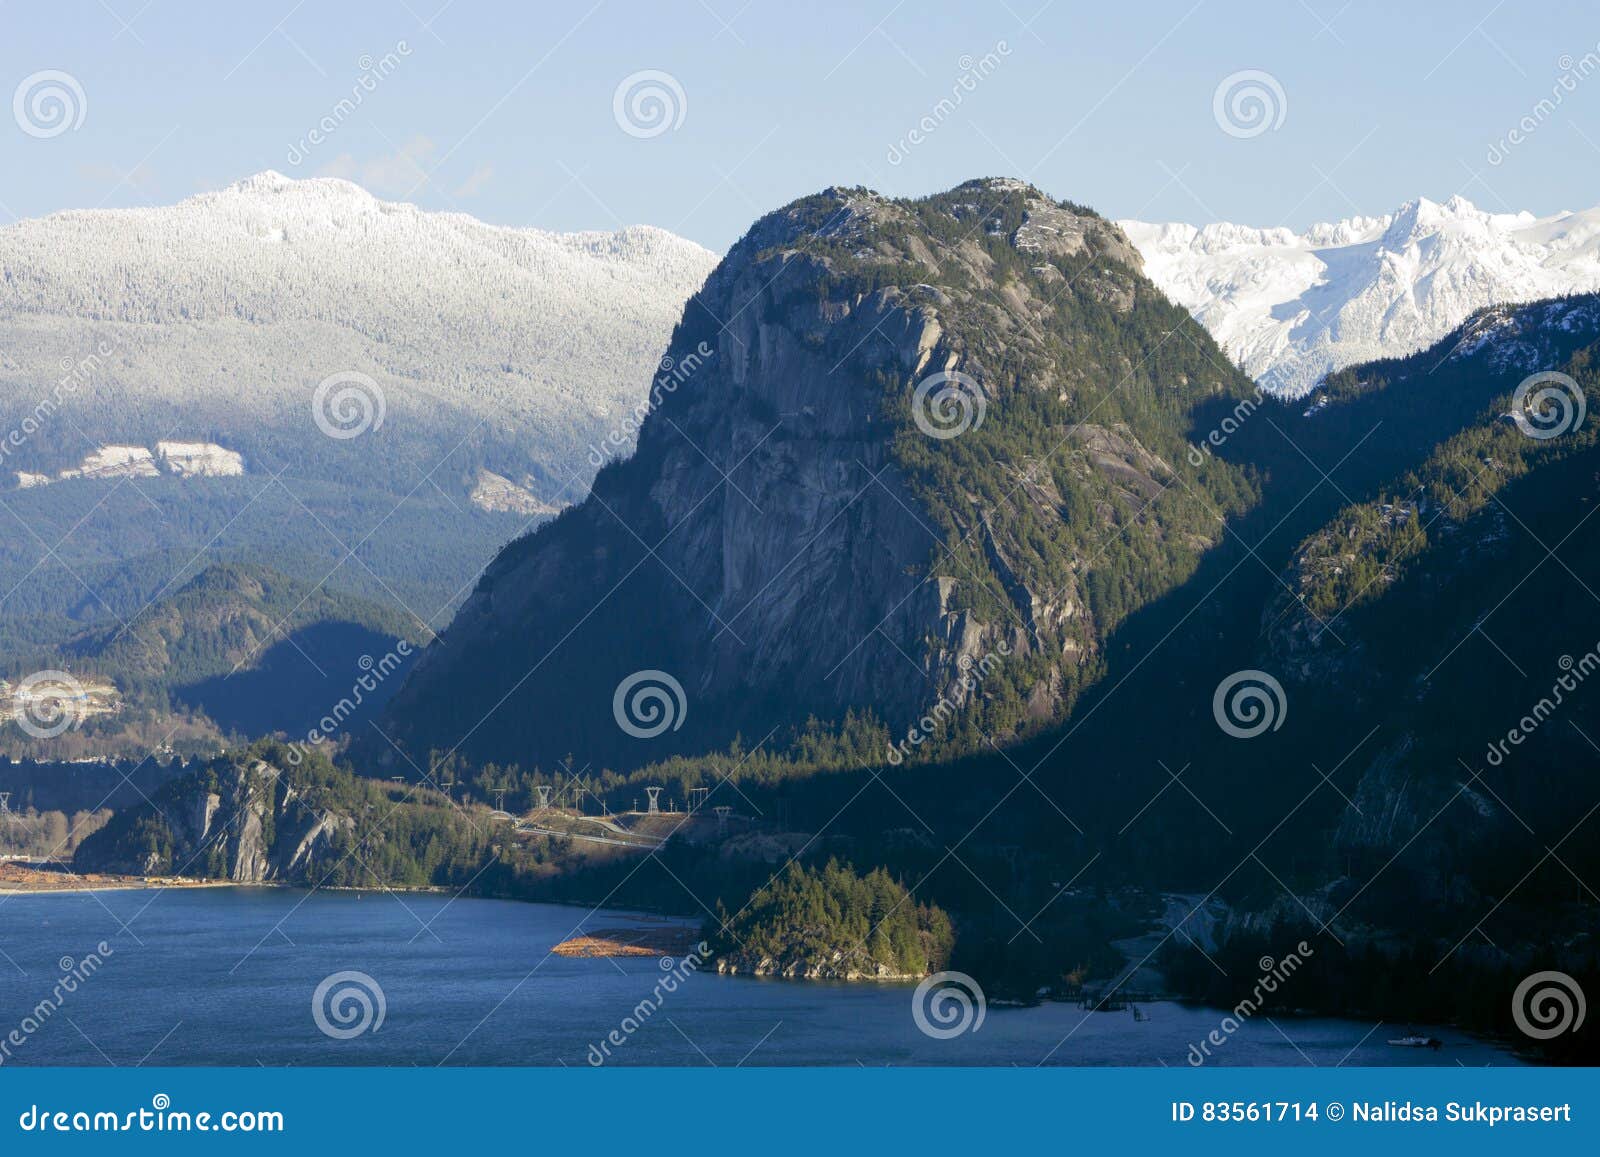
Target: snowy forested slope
pixel 224 313
pixel 159 393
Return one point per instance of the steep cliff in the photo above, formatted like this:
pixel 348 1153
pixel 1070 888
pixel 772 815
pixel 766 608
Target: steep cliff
pixel 242 819
pixel 902 457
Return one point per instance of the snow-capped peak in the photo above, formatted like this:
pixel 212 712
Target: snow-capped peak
pixel 269 181
pixel 1290 307
pixel 271 185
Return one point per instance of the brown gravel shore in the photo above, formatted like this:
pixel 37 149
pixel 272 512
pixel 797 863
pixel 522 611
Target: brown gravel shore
pixel 639 940
pixel 16 876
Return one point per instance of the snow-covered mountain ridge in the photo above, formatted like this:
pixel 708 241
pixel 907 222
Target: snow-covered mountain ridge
pixel 1291 307
pixel 294 371
pixel 226 310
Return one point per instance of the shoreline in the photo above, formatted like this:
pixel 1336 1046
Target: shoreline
pixel 26 878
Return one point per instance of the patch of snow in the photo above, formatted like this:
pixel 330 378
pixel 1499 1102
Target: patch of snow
pixel 495 492
pixel 115 462
pixel 199 460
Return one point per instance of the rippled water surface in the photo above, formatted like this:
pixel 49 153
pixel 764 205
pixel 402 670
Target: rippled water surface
pixel 228 976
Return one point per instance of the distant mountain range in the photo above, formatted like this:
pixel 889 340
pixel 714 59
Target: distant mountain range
pixel 224 313
pixel 240 650
pixel 1291 307
pixel 360 394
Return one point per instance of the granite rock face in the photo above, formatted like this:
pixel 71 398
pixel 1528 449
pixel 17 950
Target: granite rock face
pixel 774 545
pixel 244 822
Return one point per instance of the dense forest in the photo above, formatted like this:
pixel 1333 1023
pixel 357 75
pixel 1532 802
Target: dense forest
pixel 48 835
pixel 832 922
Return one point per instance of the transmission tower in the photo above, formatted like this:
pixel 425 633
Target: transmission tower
pixel 654 796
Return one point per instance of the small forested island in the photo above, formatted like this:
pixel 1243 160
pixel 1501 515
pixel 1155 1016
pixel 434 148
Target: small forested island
pixel 832 924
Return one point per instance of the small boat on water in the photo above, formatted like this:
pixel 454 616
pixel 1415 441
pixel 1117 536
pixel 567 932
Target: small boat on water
pixel 1417 1040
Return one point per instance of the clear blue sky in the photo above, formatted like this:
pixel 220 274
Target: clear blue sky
pixel 506 110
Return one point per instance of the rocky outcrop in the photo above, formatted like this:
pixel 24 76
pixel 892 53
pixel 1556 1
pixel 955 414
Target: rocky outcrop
pixel 839 967
pixel 795 536
pixel 241 820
